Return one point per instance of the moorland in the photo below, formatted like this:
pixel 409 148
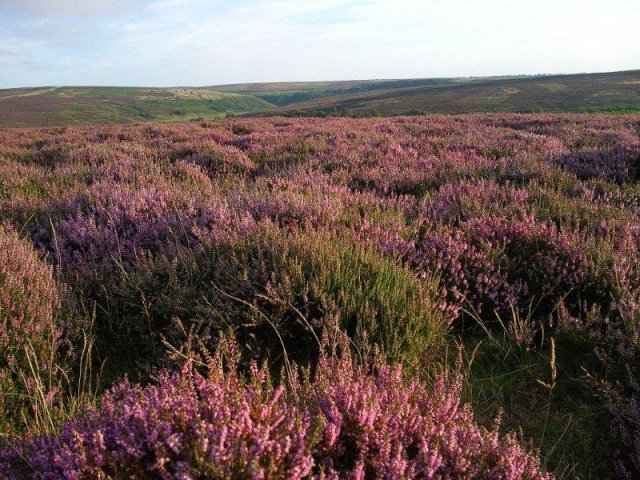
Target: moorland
pixel 617 92
pixel 442 296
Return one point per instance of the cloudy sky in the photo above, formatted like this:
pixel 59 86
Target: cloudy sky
pixel 208 42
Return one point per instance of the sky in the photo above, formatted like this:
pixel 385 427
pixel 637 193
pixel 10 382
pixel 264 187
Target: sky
pixel 212 42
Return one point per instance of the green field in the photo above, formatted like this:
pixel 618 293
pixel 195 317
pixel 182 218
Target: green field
pixel 50 106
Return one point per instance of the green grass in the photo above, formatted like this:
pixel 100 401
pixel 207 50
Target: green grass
pixel 558 413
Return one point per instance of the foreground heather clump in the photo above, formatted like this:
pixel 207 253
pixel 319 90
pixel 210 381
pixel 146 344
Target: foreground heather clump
pixel 343 423
pixel 273 290
pixel 29 333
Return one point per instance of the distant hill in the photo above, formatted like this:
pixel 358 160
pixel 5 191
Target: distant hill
pixel 287 93
pixel 96 105
pixel 596 92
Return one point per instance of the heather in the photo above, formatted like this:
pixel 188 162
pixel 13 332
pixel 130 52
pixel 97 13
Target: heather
pixel 509 241
pixel 277 293
pixel 31 334
pixel 620 354
pixel 343 423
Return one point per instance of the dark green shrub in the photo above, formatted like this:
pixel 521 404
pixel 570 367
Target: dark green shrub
pixel 277 293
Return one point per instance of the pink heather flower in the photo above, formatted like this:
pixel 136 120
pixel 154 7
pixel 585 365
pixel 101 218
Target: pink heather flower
pixel 343 423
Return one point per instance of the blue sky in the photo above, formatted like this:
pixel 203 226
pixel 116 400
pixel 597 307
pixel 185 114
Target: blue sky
pixel 209 42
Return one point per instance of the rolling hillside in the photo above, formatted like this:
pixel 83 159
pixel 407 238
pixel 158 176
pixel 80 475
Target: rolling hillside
pixel 598 92
pixel 50 106
pixel 287 93
pixel 90 105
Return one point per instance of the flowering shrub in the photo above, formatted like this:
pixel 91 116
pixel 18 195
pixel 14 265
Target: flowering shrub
pixel 216 159
pixel 384 227
pixel 545 260
pixel 345 423
pixel 116 224
pixel 619 351
pixel 495 264
pixel 626 421
pixel 29 333
pixel 295 203
pixel 474 268
pixel 618 165
pixel 464 200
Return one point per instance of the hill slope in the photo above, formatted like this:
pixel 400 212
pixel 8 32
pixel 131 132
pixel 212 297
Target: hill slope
pixel 618 91
pixel 286 93
pixel 88 105
pixel 49 106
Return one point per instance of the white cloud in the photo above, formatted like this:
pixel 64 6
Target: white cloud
pixel 205 42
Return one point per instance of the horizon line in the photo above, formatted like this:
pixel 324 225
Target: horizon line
pixel 512 75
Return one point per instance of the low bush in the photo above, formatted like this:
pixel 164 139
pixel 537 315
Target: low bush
pixel 273 290
pixel 30 335
pixel 343 423
pixel 616 165
pixel 216 159
pixel 620 354
pixel 112 225
pixel 495 264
